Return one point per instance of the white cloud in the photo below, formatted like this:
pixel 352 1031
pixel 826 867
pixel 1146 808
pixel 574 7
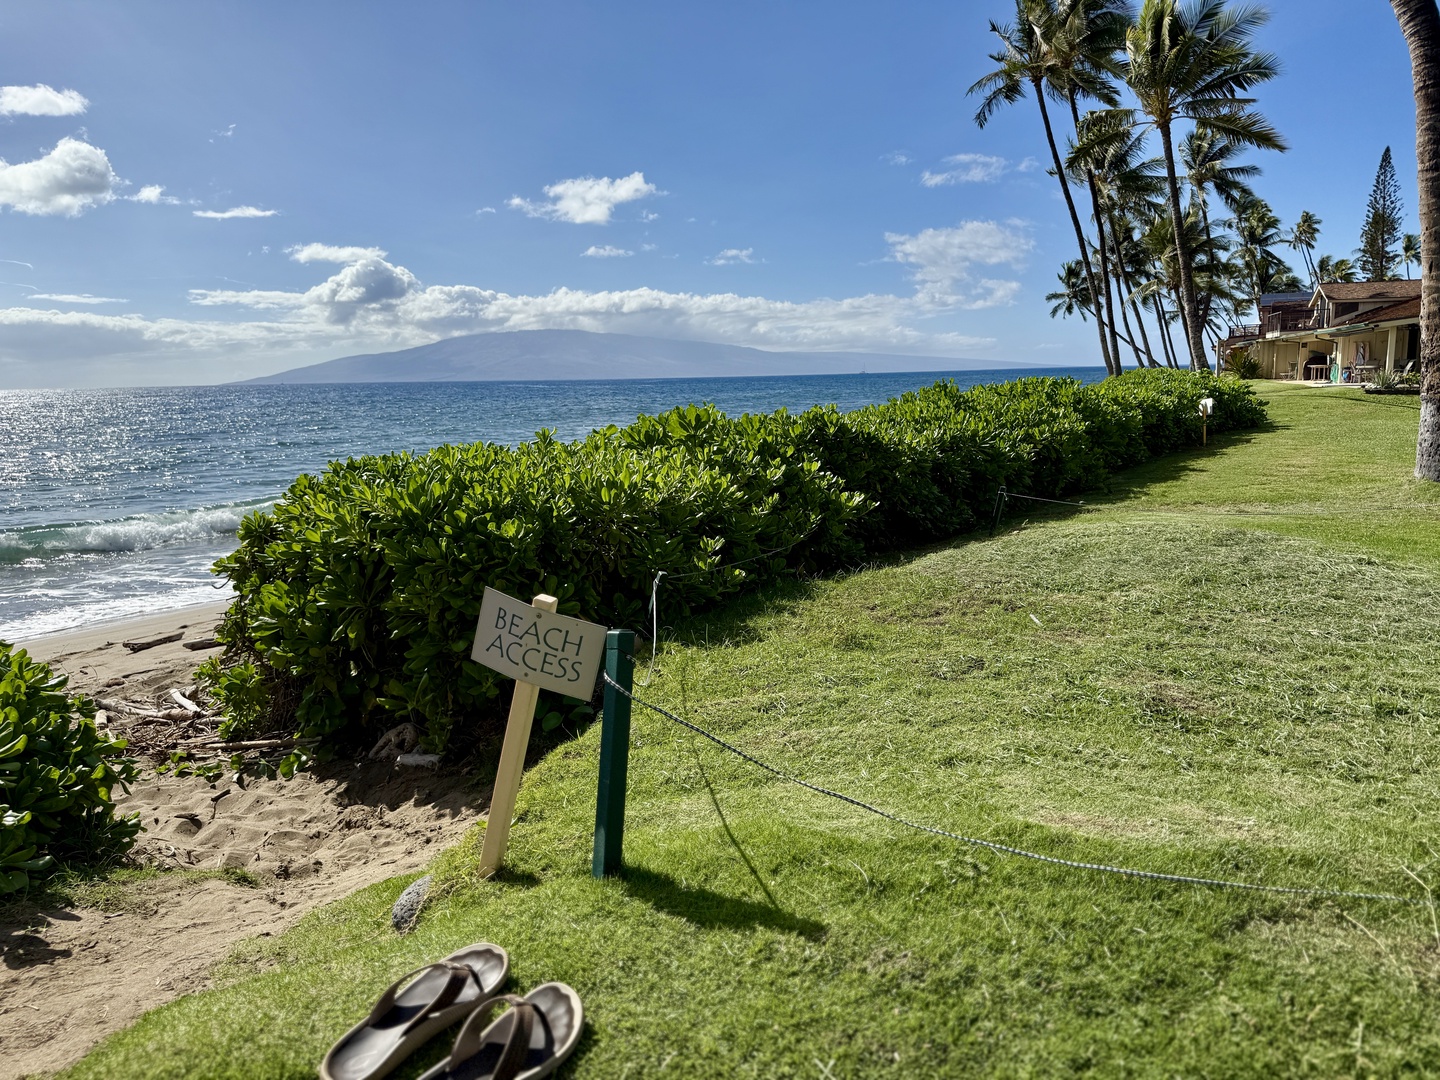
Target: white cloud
pixel 370 305
pixel 40 100
pixel 235 212
pixel 732 255
pixel 606 252
pixel 153 194
pixel 941 261
pixel 375 303
pixel 485 210
pixel 76 298
pixel 227 133
pixel 649 215
pixel 967 169
pixel 896 157
pixel 1030 164
pixel 69 180
pixel 586 200
pixel 308 253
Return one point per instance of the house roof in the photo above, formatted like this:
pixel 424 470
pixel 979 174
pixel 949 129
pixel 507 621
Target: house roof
pixel 1406 309
pixel 1342 291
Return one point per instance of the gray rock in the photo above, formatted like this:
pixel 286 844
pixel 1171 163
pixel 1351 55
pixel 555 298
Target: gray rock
pixel 408 904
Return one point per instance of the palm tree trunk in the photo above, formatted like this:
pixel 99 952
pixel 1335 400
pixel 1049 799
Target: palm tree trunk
pixel 1139 317
pixel 1189 307
pixel 1105 274
pixel 1120 296
pixel 1170 337
pixel 1110 366
pixel 1420 23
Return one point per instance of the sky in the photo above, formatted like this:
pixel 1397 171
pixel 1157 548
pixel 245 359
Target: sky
pixel 197 193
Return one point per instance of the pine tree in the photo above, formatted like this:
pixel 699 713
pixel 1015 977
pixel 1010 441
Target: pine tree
pixel 1378 255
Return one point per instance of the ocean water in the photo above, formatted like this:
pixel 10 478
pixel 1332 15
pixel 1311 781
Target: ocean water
pixel 115 503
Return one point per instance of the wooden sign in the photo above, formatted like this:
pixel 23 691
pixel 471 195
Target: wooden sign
pixel 539 647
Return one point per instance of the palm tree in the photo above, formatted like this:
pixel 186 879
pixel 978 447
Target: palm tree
pixel 1259 268
pixel 1420 23
pixel 1083 38
pixel 1410 251
pixel 1207 156
pixel 1126 188
pixel 1039 52
pixel 1073 296
pixel 1330 269
pixel 1194 61
pixel 1303 238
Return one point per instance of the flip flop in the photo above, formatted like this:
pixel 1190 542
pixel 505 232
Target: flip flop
pixel 531 1040
pixel 414 1008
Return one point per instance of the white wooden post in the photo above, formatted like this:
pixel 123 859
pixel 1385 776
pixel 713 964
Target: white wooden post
pixel 1390 350
pixel 512 764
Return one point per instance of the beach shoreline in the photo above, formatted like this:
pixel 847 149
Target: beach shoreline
pixel 72 974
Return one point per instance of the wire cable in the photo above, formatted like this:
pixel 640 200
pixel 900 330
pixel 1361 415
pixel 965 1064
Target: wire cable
pixel 1007 849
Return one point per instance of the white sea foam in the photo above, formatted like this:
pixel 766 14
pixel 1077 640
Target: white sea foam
pixel 139 533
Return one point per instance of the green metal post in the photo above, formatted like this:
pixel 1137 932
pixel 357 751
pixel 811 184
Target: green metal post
pixel 614 755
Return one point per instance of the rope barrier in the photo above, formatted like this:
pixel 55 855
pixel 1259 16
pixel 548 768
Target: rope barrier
pixel 1007 849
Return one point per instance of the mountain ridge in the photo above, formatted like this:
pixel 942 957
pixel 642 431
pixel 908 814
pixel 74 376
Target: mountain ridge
pixel 572 355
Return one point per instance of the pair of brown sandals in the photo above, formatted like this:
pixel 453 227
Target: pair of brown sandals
pixel 528 1041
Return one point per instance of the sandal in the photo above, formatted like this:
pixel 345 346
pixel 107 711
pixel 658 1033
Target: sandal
pixel 531 1040
pixel 414 1008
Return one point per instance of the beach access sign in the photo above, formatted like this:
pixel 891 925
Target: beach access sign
pixel 539 647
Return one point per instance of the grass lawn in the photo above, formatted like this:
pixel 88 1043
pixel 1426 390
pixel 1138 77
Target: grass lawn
pixel 1162 683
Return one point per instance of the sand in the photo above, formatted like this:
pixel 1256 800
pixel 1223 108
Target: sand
pixel 71 976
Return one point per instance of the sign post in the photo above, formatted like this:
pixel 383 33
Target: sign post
pixel 1207 408
pixel 538 649
pixel 614 755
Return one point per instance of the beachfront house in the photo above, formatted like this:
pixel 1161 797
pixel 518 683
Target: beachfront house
pixel 1346 331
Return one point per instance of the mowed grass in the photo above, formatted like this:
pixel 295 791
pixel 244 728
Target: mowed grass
pixel 1185 690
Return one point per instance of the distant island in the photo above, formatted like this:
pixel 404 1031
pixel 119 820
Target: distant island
pixel 519 355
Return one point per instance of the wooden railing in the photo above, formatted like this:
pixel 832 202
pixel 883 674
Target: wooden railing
pixel 1280 322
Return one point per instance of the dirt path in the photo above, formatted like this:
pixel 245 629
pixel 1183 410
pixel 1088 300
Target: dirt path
pixel 69 977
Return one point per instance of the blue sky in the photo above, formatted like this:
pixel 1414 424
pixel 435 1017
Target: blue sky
pixel 205 192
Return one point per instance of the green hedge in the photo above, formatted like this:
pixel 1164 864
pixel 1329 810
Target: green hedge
pixel 358 593
pixel 57 773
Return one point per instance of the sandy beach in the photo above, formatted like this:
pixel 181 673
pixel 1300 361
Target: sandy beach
pixel 70 976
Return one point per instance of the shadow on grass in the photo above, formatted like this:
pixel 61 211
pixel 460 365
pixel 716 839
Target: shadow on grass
pixel 710 909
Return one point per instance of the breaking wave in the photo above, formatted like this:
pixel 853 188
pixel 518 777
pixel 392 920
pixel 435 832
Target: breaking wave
pixel 139 533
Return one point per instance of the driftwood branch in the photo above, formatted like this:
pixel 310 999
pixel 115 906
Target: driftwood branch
pixel 203 643
pixel 210 743
pixel 183 701
pixel 163 639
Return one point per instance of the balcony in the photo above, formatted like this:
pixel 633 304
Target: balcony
pixel 1285 320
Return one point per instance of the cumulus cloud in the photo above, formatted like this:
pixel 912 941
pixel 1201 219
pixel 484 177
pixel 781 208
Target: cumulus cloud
pixel 153 194
pixel 308 253
pixel 375 300
pixel 732 255
pixel 370 304
pixel 941 260
pixel 40 100
pixel 69 180
pixel 75 298
pixel 967 169
pixel 586 200
pixel 606 252
pixel 235 212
